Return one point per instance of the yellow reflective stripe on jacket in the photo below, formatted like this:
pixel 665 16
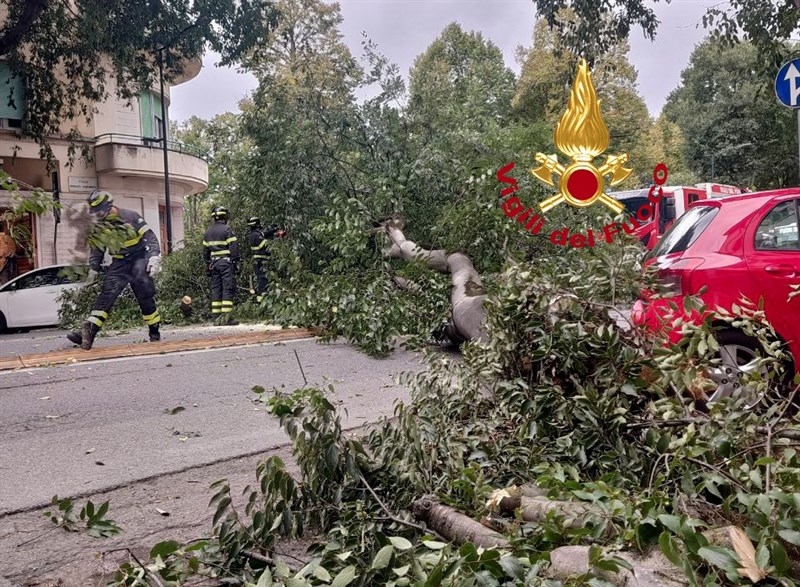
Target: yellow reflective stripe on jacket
pixel 260 256
pixel 230 240
pixel 143 229
pixel 260 246
pixel 214 243
pixel 220 253
pixel 134 241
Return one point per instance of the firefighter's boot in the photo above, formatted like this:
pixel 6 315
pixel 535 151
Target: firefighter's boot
pixel 90 330
pixel 75 337
pixel 155 335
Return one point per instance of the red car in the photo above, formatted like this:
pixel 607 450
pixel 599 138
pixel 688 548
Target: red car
pixel 746 245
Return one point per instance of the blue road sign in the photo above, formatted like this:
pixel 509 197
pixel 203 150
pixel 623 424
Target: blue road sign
pixel 787 84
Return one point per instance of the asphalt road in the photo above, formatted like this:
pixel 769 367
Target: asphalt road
pixel 79 429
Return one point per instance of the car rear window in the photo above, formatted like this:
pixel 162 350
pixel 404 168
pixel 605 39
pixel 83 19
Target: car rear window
pixel 685 231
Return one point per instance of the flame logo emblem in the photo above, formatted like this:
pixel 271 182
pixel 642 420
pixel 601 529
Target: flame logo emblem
pixel 582 135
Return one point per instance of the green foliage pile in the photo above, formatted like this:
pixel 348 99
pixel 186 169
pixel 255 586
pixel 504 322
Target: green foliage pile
pixel 560 396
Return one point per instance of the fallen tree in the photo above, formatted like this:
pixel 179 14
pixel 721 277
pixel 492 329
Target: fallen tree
pixel 467 295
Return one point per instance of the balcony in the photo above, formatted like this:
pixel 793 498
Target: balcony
pixel 139 157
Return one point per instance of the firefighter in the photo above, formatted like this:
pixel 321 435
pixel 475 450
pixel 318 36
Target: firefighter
pixel 259 238
pixel 135 263
pixel 221 254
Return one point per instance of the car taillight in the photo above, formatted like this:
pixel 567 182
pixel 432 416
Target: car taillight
pixel 674 278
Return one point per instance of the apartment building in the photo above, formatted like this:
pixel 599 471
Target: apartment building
pixel 124 141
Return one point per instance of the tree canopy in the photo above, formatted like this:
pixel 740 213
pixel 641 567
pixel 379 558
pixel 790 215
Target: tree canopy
pixel 591 28
pixel 727 112
pixel 73 55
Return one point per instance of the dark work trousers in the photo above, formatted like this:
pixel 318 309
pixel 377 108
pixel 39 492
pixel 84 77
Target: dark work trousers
pixel 260 269
pixel 119 274
pixel 223 286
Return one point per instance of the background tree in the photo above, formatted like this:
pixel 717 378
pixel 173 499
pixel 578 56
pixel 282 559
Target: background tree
pixel 592 28
pixel 299 118
pixel 725 109
pixel 68 53
pixel 224 146
pixel 460 80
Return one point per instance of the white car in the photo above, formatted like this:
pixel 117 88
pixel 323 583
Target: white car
pixel 31 299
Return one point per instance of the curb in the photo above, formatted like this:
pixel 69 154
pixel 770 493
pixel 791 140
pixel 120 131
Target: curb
pixel 152 348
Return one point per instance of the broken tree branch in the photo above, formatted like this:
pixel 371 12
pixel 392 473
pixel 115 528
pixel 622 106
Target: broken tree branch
pixel 389 513
pixel 467 295
pixel 455 526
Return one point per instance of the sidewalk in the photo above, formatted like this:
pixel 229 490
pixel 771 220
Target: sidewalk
pixel 50 347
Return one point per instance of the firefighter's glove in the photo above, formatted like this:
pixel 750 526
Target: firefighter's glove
pixel 91 277
pixel 153 265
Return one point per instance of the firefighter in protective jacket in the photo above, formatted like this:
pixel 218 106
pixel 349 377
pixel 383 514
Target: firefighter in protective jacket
pixel 221 254
pixel 259 238
pixel 134 261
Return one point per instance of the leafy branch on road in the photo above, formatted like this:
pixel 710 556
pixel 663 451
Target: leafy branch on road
pixel 93 519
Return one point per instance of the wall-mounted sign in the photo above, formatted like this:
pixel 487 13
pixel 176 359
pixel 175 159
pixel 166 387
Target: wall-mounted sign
pixel 82 184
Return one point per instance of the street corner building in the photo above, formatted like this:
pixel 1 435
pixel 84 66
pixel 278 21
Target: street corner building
pixel 125 142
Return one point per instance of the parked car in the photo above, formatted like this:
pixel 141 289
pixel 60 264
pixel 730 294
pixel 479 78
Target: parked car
pixel 746 245
pixel 31 299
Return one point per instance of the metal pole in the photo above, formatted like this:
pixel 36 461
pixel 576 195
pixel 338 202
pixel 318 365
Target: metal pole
pixel 798 139
pixel 166 152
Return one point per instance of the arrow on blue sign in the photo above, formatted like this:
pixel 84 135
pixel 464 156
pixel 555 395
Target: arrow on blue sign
pixel 787 84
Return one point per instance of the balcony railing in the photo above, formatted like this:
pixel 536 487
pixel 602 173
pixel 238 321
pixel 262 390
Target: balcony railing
pixel 175 146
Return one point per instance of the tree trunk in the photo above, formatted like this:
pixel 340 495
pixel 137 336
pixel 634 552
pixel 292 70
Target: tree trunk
pixel 456 526
pixel 467 296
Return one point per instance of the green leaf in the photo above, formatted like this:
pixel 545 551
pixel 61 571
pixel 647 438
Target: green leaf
pixel 780 559
pixel 719 557
pixel 512 566
pixel 671 522
pixel 400 543
pixel 346 576
pixel 164 549
pixel 434 545
pixel 384 556
pixel 265 580
pixel 670 549
pixel 790 536
pixel 400 571
pixel 322 574
pixel 764 504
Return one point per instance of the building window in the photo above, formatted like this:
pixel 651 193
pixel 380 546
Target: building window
pixel 150 115
pixel 12 98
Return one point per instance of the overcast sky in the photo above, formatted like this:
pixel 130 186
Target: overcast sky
pixel 404 28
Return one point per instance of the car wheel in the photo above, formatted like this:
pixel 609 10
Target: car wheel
pixel 738 354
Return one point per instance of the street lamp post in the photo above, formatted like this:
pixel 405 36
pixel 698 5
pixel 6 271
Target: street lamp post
pixel 168 214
